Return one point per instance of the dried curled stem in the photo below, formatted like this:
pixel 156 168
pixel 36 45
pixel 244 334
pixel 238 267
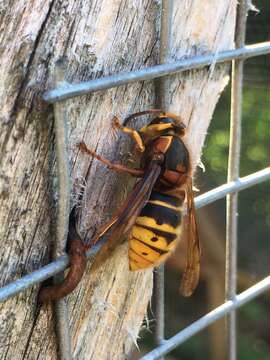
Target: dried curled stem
pixel 77 258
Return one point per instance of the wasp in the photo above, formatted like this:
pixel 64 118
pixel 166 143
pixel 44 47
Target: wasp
pixel 152 214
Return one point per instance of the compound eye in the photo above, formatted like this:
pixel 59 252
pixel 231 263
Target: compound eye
pixel 180 129
pixel 181 126
pixel 156 121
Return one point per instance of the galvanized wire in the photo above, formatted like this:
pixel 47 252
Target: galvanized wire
pixel 196 62
pixel 66 91
pixel 62 263
pixel 36 277
pixel 162 102
pixel 162 88
pixel 61 139
pixel 233 174
pixel 231 187
pixel 208 319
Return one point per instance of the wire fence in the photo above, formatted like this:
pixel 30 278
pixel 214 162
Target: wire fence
pixel 230 189
pixel 62 262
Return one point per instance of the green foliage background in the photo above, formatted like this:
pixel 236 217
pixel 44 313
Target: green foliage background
pixel 254 204
pixel 254 214
pixel 254 207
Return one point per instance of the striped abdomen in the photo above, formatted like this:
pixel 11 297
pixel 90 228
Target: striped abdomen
pixel 155 233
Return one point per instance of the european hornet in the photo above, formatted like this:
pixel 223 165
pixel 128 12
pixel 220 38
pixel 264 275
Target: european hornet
pixel 151 215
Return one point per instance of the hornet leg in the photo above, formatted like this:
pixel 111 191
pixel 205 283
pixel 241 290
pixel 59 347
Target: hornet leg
pixel 133 133
pixel 113 166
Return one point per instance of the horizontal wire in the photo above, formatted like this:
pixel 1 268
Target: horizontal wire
pixel 68 90
pixel 208 319
pixel 233 186
pixel 62 262
pixel 42 274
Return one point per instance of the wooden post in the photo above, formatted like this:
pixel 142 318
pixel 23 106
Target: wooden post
pixel 98 38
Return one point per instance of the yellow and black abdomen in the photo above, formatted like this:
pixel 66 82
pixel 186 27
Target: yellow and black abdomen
pixel 155 233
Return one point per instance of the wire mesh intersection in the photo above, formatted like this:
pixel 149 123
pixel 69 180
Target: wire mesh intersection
pixel 208 319
pixel 55 267
pixel 68 90
pixel 234 185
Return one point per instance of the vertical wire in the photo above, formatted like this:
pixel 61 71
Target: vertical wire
pixel 162 93
pixel 159 294
pixel 162 102
pixel 61 132
pixel 233 174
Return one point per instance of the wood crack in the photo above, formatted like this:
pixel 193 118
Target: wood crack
pixel 24 80
pixel 31 58
pixel 78 29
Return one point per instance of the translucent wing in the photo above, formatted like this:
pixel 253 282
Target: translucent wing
pixel 122 222
pixel 192 270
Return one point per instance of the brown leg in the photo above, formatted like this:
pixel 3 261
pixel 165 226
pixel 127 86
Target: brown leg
pixel 133 133
pixel 116 167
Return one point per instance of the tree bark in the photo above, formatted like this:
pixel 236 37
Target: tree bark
pixel 98 38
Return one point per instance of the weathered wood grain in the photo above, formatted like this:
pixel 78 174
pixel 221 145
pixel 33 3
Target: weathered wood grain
pixel 98 38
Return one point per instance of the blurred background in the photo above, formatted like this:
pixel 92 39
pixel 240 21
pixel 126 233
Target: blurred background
pixel 254 224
